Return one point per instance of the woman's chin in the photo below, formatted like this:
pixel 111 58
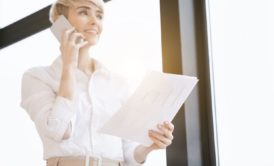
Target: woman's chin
pixel 92 41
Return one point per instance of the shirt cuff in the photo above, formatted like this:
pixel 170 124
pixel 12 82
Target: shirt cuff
pixel 63 111
pixel 131 158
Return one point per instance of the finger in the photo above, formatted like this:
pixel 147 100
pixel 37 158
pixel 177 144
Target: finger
pixel 166 131
pixel 82 44
pixel 169 125
pixel 157 142
pixel 75 36
pixel 66 34
pixel 160 137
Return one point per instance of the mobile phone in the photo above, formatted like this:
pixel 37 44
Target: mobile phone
pixel 59 26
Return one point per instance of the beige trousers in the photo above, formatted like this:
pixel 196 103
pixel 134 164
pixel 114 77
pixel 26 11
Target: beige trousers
pixel 80 161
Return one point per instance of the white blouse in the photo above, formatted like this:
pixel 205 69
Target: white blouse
pixel 96 101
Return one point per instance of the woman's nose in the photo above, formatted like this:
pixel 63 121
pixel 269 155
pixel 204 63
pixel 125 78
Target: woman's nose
pixel 93 20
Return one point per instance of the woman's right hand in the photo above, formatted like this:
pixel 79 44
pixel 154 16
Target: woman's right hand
pixel 70 46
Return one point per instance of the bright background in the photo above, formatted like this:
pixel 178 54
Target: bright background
pixel 129 45
pixel 242 38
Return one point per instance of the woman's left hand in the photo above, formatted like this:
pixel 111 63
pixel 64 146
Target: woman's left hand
pixel 162 138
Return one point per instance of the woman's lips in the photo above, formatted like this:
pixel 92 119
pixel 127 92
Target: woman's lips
pixel 92 31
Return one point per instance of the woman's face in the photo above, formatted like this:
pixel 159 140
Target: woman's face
pixel 87 18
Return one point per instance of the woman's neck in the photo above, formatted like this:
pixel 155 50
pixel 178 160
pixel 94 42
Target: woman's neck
pixel 85 63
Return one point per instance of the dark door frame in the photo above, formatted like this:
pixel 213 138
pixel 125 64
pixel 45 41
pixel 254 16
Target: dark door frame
pixel 185 51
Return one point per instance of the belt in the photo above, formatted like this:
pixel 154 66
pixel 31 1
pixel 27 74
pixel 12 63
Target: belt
pixel 82 161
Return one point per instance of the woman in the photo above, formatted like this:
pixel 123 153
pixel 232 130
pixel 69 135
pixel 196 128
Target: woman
pixel 70 99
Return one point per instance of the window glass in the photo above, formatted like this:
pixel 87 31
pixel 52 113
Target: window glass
pixel 241 39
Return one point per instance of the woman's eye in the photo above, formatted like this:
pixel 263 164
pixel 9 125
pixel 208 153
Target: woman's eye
pixel 99 16
pixel 83 12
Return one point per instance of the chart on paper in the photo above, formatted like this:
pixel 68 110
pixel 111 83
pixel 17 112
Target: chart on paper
pixel 158 98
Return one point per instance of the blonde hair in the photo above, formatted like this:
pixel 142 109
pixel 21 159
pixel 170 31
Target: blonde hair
pixel 60 7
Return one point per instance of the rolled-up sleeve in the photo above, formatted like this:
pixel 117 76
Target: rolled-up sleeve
pixel 128 149
pixel 51 114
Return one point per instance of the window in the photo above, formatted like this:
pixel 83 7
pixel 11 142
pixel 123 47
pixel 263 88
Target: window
pixel 241 38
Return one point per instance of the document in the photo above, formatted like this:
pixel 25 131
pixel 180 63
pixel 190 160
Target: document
pixel 157 99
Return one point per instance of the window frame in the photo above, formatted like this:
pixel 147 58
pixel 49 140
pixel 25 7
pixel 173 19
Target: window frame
pixel 185 51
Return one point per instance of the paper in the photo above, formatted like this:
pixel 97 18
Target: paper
pixel 157 99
